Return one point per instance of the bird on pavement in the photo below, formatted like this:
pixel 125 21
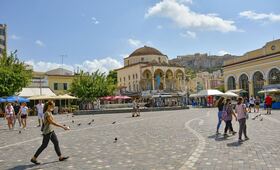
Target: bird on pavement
pixel 114 122
pixel 79 124
pixel 116 139
pixel 72 121
pixel 92 120
pixel 89 123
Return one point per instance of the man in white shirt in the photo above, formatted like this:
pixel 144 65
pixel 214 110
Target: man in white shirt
pixel 40 111
pixel 251 104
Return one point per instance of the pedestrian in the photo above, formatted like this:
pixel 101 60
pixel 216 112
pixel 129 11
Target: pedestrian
pixel 268 104
pixel 23 114
pixel 257 104
pixel 17 115
pixel 134 111
pixel 137 108
pixel 251 104
pixel 228 110
pixel 220 106
pixel 241 112
pixel 49 134
pixel 40 112
pixel 9 115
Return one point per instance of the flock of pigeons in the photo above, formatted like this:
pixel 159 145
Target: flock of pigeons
pixel 89 123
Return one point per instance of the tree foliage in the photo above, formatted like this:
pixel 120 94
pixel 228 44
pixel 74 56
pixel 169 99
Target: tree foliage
pixel 113 75
pixel 88 87
pixel 14 74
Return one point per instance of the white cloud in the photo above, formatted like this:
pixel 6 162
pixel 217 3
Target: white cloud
pixel 14 37
pixel 94 20
pixel 124 55
pixel 222 52
pixel 185 18
pixel 40 43
pixel 189 34
pixel 260 16
pixel 135 43
pixel 103 65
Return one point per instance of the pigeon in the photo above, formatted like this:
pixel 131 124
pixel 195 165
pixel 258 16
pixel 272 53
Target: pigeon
pixel 72 115
pixel 19 131
pixel 89 123
pixel 261 119
pixel 116 139
pixel 72 121
pixel 79 124
pixel 92 120
pixel 67 115
pixel 64 125
pixel 114 122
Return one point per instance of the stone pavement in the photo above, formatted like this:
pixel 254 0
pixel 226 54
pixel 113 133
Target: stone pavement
pixel 182 139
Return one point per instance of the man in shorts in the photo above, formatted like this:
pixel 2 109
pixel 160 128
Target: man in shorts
pixel 251 104
pixel 40 112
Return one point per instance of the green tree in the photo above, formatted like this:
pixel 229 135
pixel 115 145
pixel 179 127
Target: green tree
pixel 14 74
pixel 88 87
pixel 113 75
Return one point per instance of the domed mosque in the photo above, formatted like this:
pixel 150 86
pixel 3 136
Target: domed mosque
pixel 148 70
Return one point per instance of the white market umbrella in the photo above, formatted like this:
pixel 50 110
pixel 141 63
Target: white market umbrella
pixel 269 91
pixel 230 94
pixel 210 92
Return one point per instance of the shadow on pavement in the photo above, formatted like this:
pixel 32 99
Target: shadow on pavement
pixel 217 137
pixel 23 167
pixel 234 144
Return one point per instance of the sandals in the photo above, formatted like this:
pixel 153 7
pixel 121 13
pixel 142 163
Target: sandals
pixel 63 158
pixel 35 162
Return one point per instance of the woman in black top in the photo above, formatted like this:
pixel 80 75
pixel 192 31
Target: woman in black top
pixel 220 106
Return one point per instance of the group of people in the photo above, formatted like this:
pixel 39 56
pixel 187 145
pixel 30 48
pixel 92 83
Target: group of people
pixel 16 112
pixel 227 112
pixel 254 103
pixel 20 112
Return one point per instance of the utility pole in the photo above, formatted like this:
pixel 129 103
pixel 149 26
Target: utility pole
pixel 62 58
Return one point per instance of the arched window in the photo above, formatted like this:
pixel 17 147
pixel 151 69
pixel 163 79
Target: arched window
pixel 274 76
pixel 244 82
pixel 258 82
pixel 231 83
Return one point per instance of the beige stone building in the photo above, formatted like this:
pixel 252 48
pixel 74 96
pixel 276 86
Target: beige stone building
pixel 205 80
pixel 254 70
pixel 3 38
pixel 148 69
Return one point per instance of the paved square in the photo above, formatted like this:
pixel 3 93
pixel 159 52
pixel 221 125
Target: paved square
pixel 182 139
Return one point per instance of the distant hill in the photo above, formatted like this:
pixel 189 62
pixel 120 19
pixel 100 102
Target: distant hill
pixel 202 62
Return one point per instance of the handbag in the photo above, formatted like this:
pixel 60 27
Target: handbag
pixel 224 114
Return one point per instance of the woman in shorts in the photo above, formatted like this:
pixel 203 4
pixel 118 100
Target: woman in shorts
pixel 24 114
pixel 9 115
pixel 257 104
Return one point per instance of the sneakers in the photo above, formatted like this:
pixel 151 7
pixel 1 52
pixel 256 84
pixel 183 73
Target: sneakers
pixel 233 132
pixel 63 158
pixel 240 140
pixel 246 138
pixel 35 162
pixel 225 135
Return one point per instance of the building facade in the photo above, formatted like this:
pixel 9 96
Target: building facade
pixel 254 70
pixel 148 69
pixel 3 38
pixel 58 80
pixel 205 80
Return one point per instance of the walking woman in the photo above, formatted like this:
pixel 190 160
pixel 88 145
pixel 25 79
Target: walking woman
pixel 228 118
pixel 241 112
pixel 220 106
pixel 9 115
pixel 49 134
pixel 23 112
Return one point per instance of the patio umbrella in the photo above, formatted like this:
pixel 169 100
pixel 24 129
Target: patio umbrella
pixel 107 98
pixel 122 97
pixel 210 92
pixel 2 100
pixel 17 98
pixel 230 94
pixel 269 91
pixel 41 97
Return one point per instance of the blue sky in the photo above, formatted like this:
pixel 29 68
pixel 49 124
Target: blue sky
pixel 97 34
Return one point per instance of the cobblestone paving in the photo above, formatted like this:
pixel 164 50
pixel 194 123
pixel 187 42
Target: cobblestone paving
pixel 182 139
